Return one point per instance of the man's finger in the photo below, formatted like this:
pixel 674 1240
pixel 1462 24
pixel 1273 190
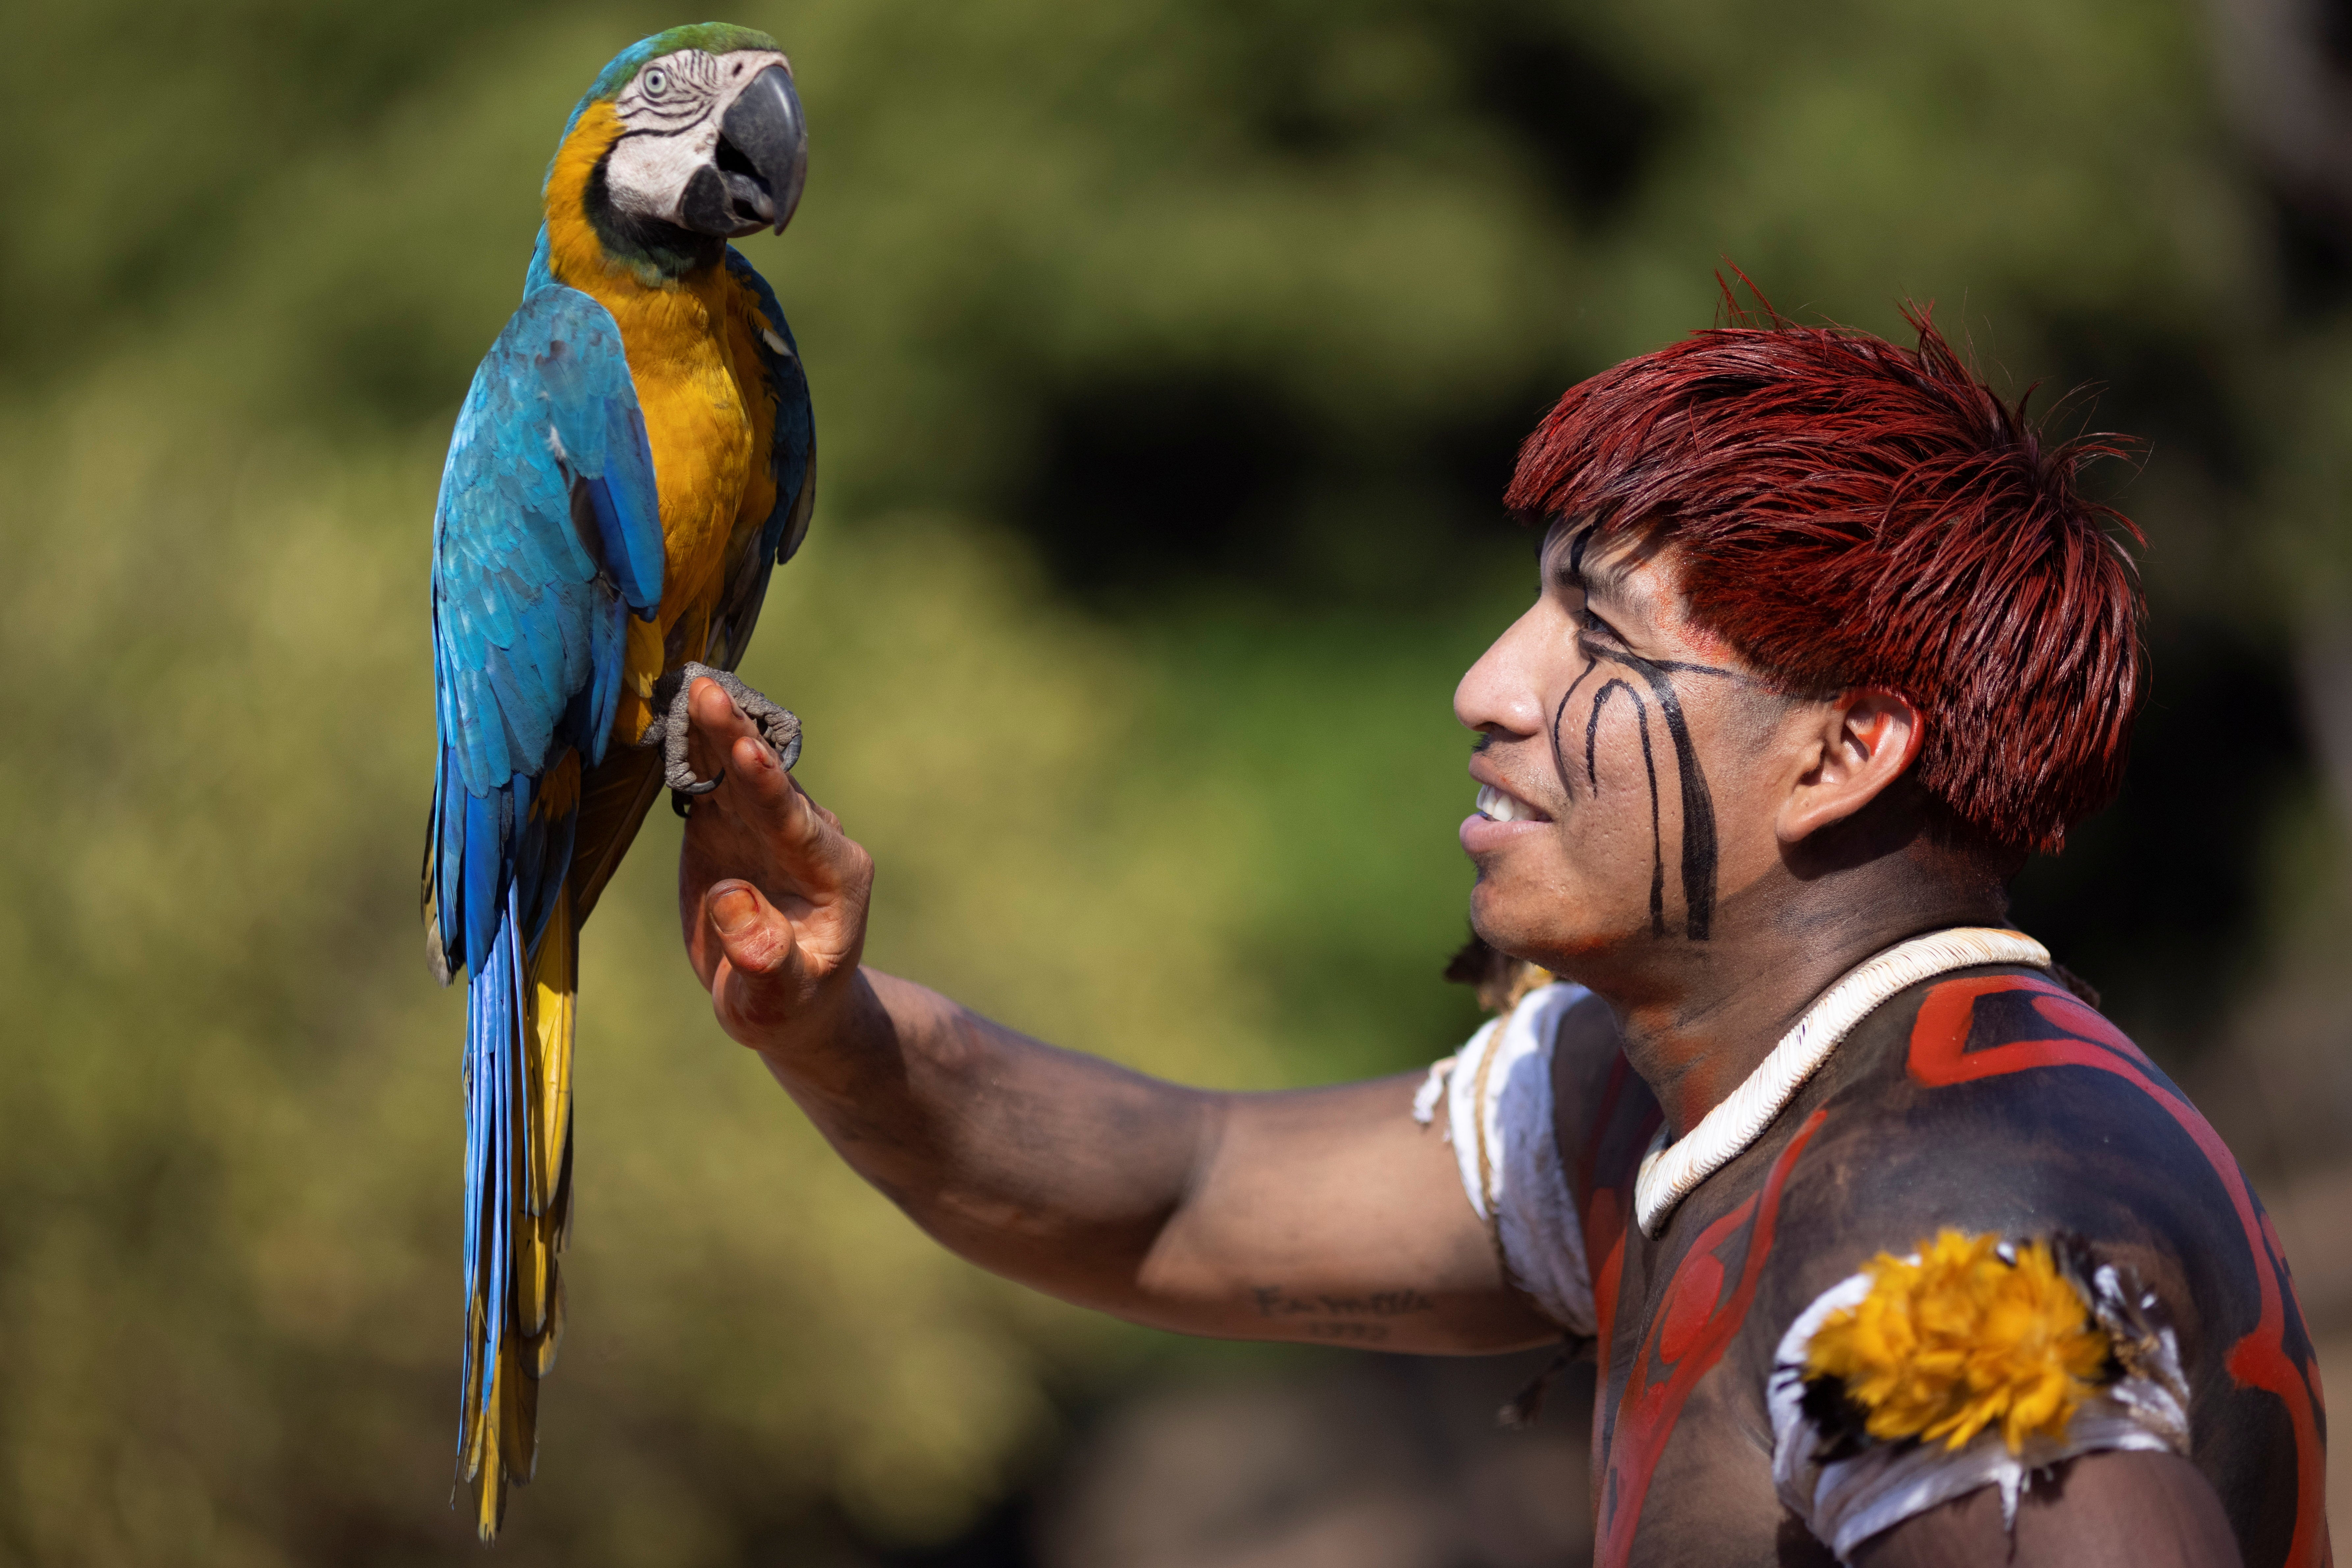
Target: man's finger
pixel 715 723
pixel 765 800
pixel 755 788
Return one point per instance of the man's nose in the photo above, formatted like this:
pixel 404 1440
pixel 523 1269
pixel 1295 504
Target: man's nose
pixel 1502 690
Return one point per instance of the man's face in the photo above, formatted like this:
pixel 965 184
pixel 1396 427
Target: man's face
pixel 1630 768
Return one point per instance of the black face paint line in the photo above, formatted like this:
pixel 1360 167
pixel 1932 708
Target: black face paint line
pixel 1558 758
pixel 1657 843
pixel 1649 768
pixel 1699 850
pixel 1576 548
pixel 1593 728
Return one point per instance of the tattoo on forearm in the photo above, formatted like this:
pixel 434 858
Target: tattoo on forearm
pixel 1363 1320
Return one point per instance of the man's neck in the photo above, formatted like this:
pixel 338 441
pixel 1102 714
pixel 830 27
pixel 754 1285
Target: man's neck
pixel 1697 1018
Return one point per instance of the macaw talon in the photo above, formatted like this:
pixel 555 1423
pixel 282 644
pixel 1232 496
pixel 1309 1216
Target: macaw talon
pixel 779 727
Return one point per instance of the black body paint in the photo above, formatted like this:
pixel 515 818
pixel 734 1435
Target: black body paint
pixel 1678 667
pixel 1593 728
pixel 1699 852
pixel 1558 760
pixel 1649 768
pixel 1658 843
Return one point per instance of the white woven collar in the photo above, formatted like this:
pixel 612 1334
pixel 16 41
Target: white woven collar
pixel 1670 1172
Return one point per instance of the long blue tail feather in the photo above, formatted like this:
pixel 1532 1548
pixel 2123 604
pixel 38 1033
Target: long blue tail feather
pixel 506 1187
pixel 486 991
pixel 496 1017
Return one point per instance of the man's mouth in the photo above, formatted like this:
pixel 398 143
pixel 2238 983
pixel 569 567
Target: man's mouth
pixel 1495 806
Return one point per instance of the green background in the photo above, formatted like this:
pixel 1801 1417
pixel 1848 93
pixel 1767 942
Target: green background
pixel 1169 360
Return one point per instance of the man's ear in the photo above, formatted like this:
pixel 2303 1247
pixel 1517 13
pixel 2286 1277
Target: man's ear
pixel 1867 740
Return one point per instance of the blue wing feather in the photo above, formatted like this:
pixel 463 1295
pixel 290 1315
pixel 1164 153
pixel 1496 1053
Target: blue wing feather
pixel 548 534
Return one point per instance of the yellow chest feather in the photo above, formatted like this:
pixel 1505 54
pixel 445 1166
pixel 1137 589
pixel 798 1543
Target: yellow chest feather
pixel 698 422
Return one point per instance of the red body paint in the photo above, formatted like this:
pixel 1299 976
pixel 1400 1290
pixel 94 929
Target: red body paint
pixel 1604 1238
pixel 1687 1338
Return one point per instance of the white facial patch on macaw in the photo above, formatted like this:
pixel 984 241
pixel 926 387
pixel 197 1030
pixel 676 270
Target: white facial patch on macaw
pixel 669 116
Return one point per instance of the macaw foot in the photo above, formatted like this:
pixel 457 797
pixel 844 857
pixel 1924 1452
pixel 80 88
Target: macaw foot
pixel 779 727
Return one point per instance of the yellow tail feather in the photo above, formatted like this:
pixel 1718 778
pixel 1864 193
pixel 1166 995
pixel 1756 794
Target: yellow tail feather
pixel 502 1448
pixel 554 995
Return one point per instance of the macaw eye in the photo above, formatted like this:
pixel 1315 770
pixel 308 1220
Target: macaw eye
pixel 656 82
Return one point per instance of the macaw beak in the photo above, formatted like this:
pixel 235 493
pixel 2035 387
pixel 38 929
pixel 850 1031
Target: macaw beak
pixel 761 164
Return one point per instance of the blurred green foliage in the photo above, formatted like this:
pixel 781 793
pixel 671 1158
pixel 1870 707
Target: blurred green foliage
pixel 1168 357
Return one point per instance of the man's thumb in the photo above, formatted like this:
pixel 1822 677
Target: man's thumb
pixel 758 940
pixel 734 906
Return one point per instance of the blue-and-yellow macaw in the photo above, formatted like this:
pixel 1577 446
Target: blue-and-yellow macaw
pixel 635 456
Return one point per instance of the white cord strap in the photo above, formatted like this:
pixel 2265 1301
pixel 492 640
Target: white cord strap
pixel 1671 1173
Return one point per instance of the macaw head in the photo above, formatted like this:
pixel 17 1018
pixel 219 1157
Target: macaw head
pixel 686 140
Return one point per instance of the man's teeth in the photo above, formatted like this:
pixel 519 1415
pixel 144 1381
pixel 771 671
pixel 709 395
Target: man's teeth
pixel 1496 806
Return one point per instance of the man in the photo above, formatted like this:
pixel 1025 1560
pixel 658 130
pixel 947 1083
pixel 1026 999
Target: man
pixel 1890 1248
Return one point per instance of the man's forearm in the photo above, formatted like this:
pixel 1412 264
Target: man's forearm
pixel 1052 1168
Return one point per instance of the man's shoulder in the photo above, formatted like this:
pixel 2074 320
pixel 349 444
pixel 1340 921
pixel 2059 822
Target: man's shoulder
pixel 1993 1107
pixel 1997 1102
pixel 1997 1097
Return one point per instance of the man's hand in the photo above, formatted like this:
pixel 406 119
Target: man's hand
pixel 772 894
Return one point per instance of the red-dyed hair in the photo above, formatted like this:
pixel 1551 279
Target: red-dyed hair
pixel 1847 513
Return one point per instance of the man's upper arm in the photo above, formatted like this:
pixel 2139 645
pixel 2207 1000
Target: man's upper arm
pixel 2014 1181
pixel 1420 1212
pixel 1332 1216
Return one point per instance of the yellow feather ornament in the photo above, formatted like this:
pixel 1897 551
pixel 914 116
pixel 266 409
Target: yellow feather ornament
pixel 1961 1337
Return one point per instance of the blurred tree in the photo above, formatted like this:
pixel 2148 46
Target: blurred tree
pixel 1170 357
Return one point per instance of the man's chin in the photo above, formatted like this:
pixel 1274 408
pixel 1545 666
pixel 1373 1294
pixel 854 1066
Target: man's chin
pixel 1504 924
pixel 1541 929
